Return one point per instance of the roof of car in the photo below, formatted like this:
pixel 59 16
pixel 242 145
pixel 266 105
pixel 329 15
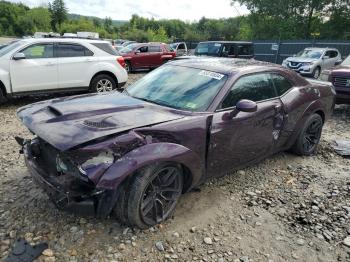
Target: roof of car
pixel 222 65
pixel 64 39
pixel 320 48
pixel 228 42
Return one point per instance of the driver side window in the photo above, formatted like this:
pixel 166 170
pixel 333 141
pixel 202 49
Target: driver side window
pixel 37 51
pixel 143 49
pixel 256 87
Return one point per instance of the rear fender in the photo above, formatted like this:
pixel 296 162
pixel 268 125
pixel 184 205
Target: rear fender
pixel 149 154
pixel 316 106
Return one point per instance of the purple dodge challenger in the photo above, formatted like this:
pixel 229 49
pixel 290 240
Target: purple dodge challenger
pixel 133 154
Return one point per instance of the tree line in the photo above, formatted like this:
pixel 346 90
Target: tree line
pixel 268 19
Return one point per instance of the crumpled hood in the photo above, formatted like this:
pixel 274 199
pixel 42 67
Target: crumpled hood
pixel 67 122
pixel 301 59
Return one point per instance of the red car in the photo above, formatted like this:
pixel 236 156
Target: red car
pixel 146 55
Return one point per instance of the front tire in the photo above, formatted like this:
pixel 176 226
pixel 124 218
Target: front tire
pixel 152 195
pixel 103 83
pixel 309 137
pixel 316 73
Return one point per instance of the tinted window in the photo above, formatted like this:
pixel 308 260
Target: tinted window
pixel 106 47
pixel 209 49
pixel 281 83
pixel 228 50
pixel 245 50
pixel 38 51
pixel 154 48
pixel 255 87
pixel 333 54
pixel 143 49
pixel 328 53
pixel 181 46
pixel 72 50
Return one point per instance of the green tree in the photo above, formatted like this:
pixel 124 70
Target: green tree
pixel 59 13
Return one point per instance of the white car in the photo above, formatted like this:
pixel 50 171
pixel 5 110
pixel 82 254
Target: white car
pixel 50 65
pixel 312 61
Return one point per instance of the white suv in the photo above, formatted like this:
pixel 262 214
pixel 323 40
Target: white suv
pixel 50 65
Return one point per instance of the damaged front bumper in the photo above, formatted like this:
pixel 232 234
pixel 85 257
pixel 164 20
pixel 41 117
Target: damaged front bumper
pixel 68 193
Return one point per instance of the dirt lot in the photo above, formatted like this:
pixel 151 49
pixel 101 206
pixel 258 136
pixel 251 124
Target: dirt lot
pixel 287 208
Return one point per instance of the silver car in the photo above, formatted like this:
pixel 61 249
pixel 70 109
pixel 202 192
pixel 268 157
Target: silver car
pixel 311 61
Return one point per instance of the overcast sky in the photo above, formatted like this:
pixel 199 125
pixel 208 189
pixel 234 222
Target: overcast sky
pixel 188 10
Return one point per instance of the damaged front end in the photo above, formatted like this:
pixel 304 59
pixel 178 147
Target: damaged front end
pixel 70 178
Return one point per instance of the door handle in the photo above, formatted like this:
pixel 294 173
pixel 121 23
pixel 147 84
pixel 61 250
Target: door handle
pixel 89 60
pixel 50 64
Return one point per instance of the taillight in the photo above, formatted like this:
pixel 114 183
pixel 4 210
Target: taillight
pixel 121 61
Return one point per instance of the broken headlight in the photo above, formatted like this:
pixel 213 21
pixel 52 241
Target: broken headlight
pixel 61 166
pixel 104 158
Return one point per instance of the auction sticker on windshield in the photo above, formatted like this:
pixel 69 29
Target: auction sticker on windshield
pixel 211 74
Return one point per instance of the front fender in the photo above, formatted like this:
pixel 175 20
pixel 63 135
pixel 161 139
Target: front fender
pixel 5 79
pixel 149 154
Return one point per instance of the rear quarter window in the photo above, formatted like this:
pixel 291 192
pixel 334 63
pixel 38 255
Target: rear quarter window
pixel 106 47
pixel 281 83
pixel 245 50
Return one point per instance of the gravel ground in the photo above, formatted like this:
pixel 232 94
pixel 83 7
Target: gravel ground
pixel 287 208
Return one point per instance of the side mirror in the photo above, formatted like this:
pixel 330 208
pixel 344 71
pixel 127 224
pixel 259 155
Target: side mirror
pixel 294 55
pixel 137 52
pixel 19 56
pixel 247 106
pixel 338 62
pixel 326 57
pixel 243 105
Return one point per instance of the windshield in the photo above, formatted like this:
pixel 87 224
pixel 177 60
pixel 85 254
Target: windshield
pixel 128 48
pixel 209 49
pixel 310 54
pixel 346 62
pixel 9 48
pixel 178 87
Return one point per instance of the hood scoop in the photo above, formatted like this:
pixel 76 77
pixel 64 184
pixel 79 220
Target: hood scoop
pixel 99 124
pixel 54 111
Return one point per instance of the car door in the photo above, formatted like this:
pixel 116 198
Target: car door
pixel 155 55
pixel 141 57
pixel 327 60
pixel 74 61
pixel 37 71
pixel 246 137
pixel 181 49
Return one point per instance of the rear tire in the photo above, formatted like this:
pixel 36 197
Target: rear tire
pixel 3 98
pixel 128 67
pixel 151 196
pixel 103 83
pixel 309 136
